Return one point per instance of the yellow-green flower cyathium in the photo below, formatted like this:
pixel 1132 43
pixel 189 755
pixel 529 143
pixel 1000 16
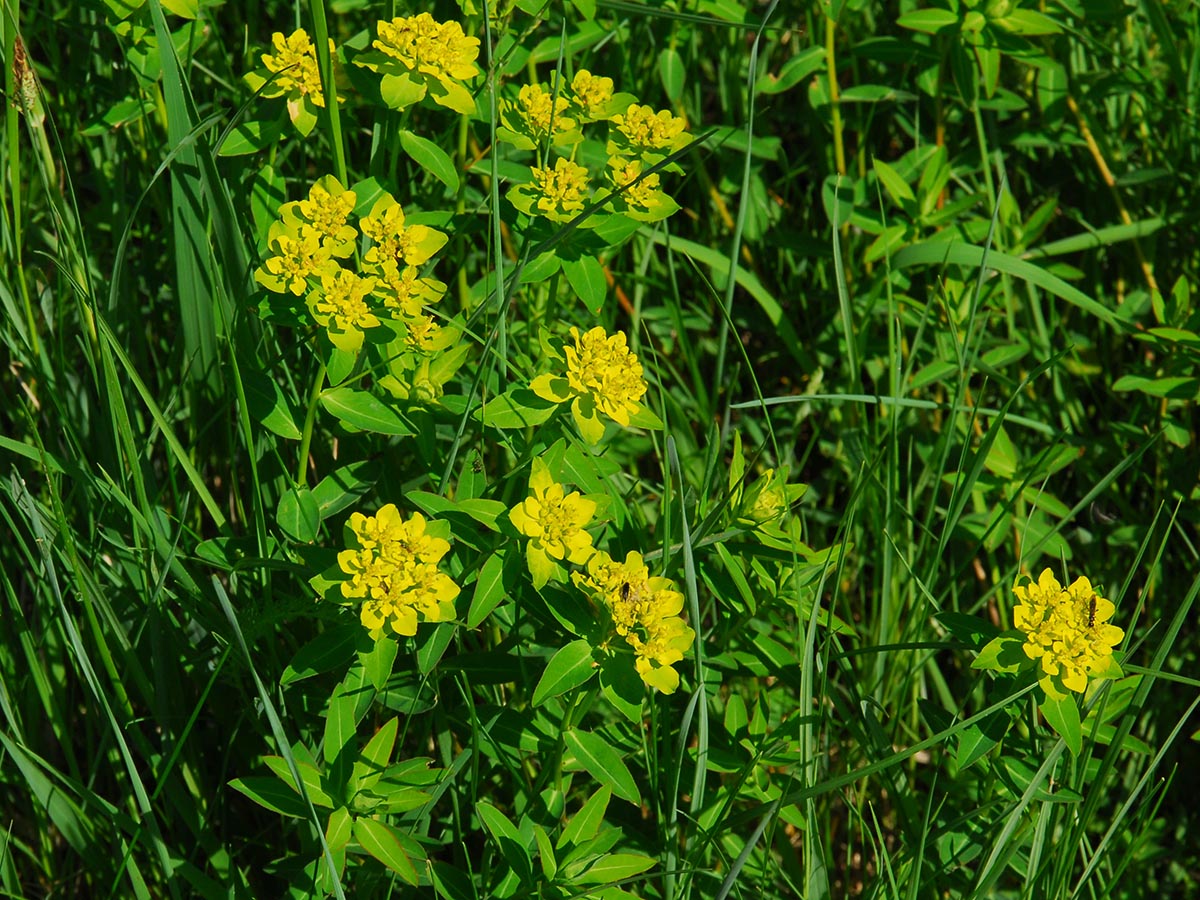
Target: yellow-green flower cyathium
pixel 327 210
pixel 603 377
pixel 393 569
pixel 418 56
pixel 643 132
pixel 644 199
pixel 557 194
pixel 404 245
pixel 537 117
pixel 291 72
pixel 1066 630
pixel 340 307
pixel 554 522
pixel 644 611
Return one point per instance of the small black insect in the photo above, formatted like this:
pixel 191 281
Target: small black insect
pixel 624 592
pixel 1092 614
pixel 477 464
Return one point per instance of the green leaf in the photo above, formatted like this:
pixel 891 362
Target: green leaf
pixel 929 21
pixel 518 408
pixel 382 842
pixel 792 72
pixel 364 410
pixel 378 751
pixel 586 276
pixel 585 824
pixel 344 487
pixel 339 828
pixel 347 705
pixel 614 867
pixel 267 405
pixel 377 662
pixel 1175 388
pixel 895 185
pixel 1063 715
pixel 1003 653
pixel 545 852
pixel 430 157
pixel 504 832
pixel 323 653
pixel 1028 22
pixel 603 763
pixel 310 775
pixel 272 794
pixel 570 667
pixel 298 515
pixel 490 589
pixel 672 72
pixel 251 137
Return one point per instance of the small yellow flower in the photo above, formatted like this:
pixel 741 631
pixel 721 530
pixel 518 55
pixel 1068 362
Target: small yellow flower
pixel 1067 630
pixel 592 94
pixel 393 569
pixel 645 611
pixel 294 64
pixel 418 55
pixel 327 209
pixel 411 245
pixel 554 521
pixel 403 291
pixel 647 133
pixel 558 193
pixel 296 256
pixel 341 307
pixel 537 117
pixel 602 376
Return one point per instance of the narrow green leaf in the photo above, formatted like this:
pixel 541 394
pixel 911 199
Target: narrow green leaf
pixel 586 277
pixel 508 838
pixel 614 867
pixel 519 408
pixel 267 405
pixel 585 824
pixel 489 590
pixel 364 410
pixel 603 763
pixel 672 73
pixel 323 653
pixel 347 705
pixel 570 667
pixel 298 515
pixel 381 842
pixel 1063 716
pixel 929 21
pixel 272 794
pixel 430 157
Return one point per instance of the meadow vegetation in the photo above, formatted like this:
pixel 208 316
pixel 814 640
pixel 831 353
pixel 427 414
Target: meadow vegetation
pixel 599 448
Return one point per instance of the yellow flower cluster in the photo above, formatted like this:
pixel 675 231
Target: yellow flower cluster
pixel 554 521
pixel 294 64
pixel 310 238
pixel 639 137
pixel 418 56
pixel 1066 629
pixel 393 568
pixel 645 611
pixel 602 376
pixel 291 72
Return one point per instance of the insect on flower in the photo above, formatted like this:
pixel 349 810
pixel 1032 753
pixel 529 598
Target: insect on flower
pixel 1092 613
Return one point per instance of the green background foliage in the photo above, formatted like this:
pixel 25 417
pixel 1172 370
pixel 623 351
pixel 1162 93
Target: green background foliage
pixel 936 262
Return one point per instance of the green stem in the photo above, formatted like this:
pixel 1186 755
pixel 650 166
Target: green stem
pixel 310 416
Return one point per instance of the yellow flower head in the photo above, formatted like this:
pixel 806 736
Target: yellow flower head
pixel 341 307
pixel 294 64
pixel 561 192
pixel 411 245
pixel 538 117
pixel 403 291
pixel 592 94
pixel 602 376
pixel 648 133
pixel 1067 630
pixel 646 194
pixel 418 55
pixel 296 256
pixel 645 611
pixel 554 521
pixel 327 210
pixel 393 569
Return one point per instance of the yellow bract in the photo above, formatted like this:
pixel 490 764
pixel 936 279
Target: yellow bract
pixel 645 611
pixel 1066 629
pixel 394 570
pixel 554 521
pixel 294 64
